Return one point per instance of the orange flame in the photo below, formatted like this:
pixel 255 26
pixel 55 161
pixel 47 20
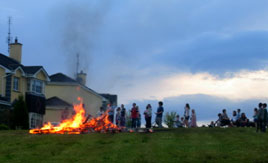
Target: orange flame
pixel 78 124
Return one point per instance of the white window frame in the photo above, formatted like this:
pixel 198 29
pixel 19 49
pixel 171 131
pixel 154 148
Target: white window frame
pixel 16 85
pixel 35 120
pixel 31 86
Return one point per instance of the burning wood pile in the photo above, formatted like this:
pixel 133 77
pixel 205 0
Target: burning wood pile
pixel 79 124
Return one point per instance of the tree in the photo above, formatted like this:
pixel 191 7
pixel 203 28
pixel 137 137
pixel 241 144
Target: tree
pixel 170 119
pixel 20 114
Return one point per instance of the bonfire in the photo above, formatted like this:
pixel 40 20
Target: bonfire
pixel 79 124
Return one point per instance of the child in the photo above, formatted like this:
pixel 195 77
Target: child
pixel 178 122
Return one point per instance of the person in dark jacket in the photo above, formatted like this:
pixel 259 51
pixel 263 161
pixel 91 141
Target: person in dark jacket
pixel 262 117
pixel 159 114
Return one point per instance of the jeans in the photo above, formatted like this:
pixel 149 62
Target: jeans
pixel 148 122
pixel 261 125
pixel 134 122
pixel 158 121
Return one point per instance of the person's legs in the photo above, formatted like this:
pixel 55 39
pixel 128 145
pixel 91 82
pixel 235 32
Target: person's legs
pixel 149 122
pixel 136 123
pixel 261 125
pixel 157 121
pixel 258 126
pixel 133 123
pixel 264 126
pixel 160 122
pixel 122 122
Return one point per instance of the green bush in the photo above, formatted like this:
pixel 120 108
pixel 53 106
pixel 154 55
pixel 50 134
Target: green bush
pixel 20 114
pixel 4 127
pixel 170 119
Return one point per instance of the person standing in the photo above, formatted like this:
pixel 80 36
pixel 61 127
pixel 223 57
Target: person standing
pixel 139 118
pixel 193 119
pixel 159 114
pixel 148 116
pixel 255 116
pixel 123 116
pixel 262 117
pixel 134 115
pixel 110 113
pixel 117 116
pixel 186 114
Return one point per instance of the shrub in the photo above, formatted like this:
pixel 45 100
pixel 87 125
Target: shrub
pixel 20 114
pixel 4 127
pixel 170 119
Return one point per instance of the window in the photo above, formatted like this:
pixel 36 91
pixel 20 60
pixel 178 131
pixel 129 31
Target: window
pixel 16 84
pixel 37 86
pixel 36 120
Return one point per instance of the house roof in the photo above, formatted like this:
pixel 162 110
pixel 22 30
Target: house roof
pixel 8 62
pixel 11 64
pixel 56 101
pixel 60 77
pixel 31 69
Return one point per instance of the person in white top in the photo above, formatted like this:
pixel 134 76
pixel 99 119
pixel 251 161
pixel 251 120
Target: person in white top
pixel 148 116
pixel 186 114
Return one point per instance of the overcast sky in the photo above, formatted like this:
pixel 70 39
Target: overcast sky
pixel 210 53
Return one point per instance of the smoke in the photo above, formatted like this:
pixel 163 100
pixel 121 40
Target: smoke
pixel 79 26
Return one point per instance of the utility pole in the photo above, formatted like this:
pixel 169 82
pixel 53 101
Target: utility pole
pixel 77 65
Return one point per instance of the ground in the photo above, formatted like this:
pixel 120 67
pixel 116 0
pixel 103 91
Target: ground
pixel 177 145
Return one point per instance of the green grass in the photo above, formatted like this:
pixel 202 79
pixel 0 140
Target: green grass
pixel 180 145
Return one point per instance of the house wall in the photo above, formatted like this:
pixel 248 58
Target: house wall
pixel 2 81
pixel 41 76
pixel 70 93
pixel 22 85
pixel 55 114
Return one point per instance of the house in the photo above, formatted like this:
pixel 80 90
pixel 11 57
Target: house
pixel 57 110
pixel 67 89
pixel 48 98
pixel 28 81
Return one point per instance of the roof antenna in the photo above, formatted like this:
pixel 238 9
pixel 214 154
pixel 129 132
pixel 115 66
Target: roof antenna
pixel 9 34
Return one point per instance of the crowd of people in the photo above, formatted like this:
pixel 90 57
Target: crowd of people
pixel 132 118
pixel 187 120
pixel 239 119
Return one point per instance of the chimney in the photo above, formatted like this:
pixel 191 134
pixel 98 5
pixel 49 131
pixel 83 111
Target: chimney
pixel 81 78
pixel 15 50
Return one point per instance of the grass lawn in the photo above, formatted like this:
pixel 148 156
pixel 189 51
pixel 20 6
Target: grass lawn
pixel 179 145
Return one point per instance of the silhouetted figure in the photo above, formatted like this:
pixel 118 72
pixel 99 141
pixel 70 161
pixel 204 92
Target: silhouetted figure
pixel 193 119
pixel 134 115
pixel 225 119
pixel 148 116
pixel 186 114
pixel 159 114
pixel 262 117
pixel 123 116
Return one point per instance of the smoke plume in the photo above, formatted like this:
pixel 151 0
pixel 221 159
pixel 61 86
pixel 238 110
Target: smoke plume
pixel 79 27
